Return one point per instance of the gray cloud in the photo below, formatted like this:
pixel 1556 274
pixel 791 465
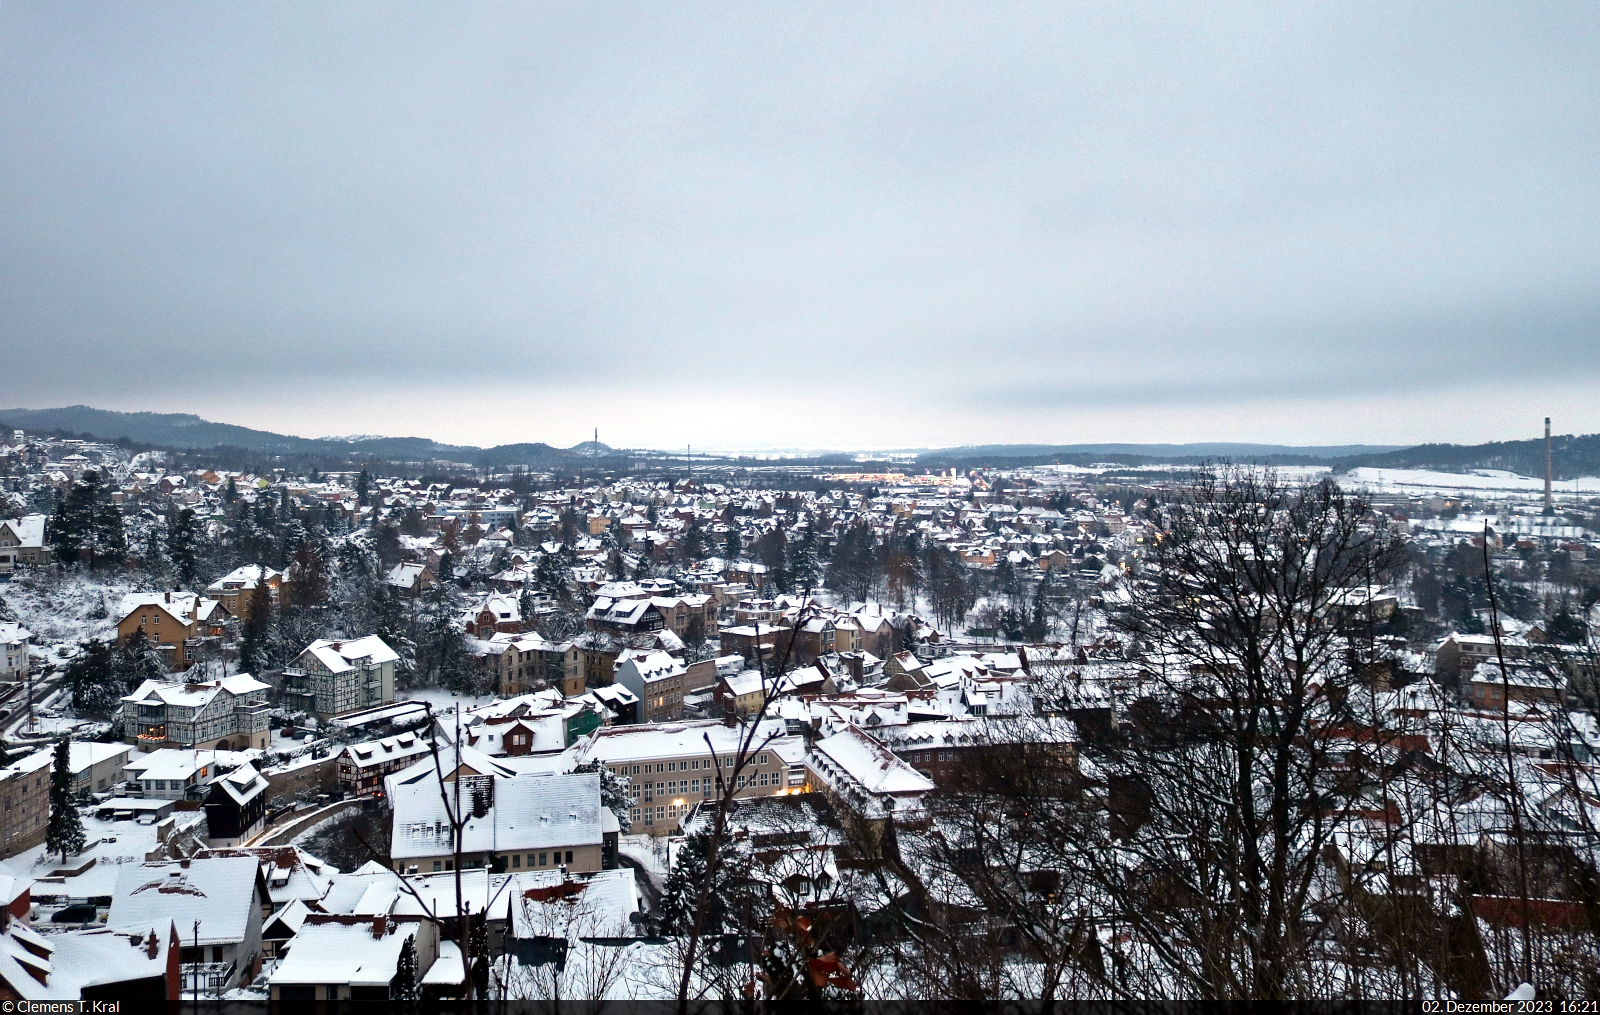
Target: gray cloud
pixel 1048 206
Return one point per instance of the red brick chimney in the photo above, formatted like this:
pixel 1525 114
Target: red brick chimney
pixel 379 924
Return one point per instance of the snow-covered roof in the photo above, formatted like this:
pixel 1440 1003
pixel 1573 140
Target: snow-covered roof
pixel 389 749
pixel 243 578
pixel 618 744
pixel 537 898
pixel 80 755
pixel 871 765
pixel 290 872
pixel 243 784
pixel 339 656
pixel 172 763
pixel 651 665
pixel 29 530
pixel 178 605
pixel 527 812
pixel 219 892
pixel 190 695
pixel 358 951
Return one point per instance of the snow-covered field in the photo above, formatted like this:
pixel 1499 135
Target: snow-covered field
pixel 1478 480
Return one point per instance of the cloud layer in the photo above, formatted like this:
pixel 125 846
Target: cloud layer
pixel 864 225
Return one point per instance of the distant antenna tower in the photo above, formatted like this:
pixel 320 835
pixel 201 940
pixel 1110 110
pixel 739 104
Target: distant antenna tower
pixel 1549 501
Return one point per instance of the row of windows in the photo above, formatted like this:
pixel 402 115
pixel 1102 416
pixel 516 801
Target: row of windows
pixel 680 766
pixel 692 786
pixel 661 812
pixel 929 755
pixel 545 859
pixel 516 859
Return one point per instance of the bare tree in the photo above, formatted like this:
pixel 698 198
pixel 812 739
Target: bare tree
pixel 1230 786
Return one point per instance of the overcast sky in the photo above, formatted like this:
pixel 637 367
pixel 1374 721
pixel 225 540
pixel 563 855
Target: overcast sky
pixel 850 225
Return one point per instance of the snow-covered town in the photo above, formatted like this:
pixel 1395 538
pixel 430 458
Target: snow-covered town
pixel 388 732
pixel 532 506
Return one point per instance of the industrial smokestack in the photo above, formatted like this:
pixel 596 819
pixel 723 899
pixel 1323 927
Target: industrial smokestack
pixel 1549 501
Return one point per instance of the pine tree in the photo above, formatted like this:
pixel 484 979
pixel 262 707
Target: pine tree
pixel 69 526
pixel 478 950
pixel 526 607
pixel 694 542
pixel 447 566
pixel 613 791
pixel 183 538
pixel 155 555
pixel 106 536
pixel 231 493
pixel 731 901
pixel 404 985
pixel 65 832
pixel 363 488
pixel 93 678
pixel 803 568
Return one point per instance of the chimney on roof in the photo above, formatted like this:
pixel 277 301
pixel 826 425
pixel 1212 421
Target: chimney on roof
pixel 169 594
pixel 379 925
pixel 152 944
pixel 184 863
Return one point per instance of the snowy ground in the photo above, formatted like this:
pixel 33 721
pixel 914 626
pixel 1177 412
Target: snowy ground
pixel 443 700
pixel 648 851
pixel 1476 481
pixel 111 844
pixel 67 609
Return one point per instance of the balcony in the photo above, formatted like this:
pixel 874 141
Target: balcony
pixel 251 718
pixel 205 977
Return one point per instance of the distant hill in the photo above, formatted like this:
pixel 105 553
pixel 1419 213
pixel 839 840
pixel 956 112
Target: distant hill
pixel 184 431
pixel 1573 455
pixel 169 429
pixel 1570 457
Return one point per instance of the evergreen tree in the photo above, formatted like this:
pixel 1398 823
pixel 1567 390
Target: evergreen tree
pixel 613 791
pixel 478 950
pixel 363 488
pixel 65 832
pixel 308 578
pixel 735 545
pixel 732 901
pixel 155 555
pixel 93 679
pixel 183 539
pixel 136 662
pixel 1038 628
pixel 230 494
pixel 803 569
pixel 550 574
pixel 447 566
pixel 404 985
pixel 526 607
pixel 254 649
pixel 694 542
pixel 70 525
